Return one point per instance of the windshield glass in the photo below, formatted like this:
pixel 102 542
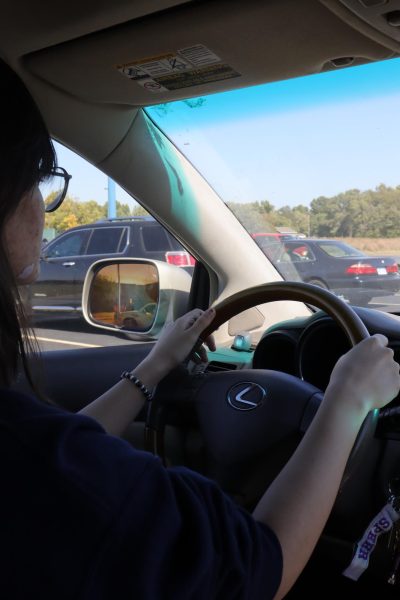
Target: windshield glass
pixel 315 157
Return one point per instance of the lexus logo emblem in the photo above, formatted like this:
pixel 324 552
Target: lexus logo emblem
pixel 245 395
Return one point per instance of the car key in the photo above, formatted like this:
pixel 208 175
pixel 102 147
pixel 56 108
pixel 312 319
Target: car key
pixel 394 538
pixel 395 549
pixel 380 524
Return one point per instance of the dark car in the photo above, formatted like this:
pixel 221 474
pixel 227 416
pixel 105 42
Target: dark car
pixel 336 266
pixel 66 259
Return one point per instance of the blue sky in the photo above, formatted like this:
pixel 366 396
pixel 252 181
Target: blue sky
pixel 287 142
pixel 87 183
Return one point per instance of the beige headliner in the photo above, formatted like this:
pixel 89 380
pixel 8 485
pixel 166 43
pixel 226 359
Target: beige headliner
pixel 74 49
pixel 262 41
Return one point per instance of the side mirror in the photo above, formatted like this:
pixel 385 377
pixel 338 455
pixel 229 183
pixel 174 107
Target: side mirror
pixel 134 295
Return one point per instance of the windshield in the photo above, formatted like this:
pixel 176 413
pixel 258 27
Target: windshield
pixel 315 157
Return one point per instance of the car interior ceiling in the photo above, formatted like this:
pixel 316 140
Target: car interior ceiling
pixel 73 54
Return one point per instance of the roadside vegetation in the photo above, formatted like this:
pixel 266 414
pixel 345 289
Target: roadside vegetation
pixel 369 220
pixel 351 214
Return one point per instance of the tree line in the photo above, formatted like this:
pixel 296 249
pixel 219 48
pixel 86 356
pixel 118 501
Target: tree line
pixel 72 212
pixel 354 213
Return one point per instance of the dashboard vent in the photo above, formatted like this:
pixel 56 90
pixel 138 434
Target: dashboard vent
pixel 216 366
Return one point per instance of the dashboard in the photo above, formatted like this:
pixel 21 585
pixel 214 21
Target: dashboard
pixel 310 347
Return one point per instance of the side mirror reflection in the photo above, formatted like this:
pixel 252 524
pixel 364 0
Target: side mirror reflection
pixel 125 296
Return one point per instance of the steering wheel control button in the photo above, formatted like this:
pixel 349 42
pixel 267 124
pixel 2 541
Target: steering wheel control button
pixel 246 395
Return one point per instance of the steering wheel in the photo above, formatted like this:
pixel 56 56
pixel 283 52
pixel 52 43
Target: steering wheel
pixel 243 414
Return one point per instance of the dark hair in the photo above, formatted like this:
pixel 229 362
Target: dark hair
pixel 26 156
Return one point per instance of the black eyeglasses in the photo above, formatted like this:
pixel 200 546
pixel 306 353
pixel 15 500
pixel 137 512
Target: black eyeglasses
pixel 54 188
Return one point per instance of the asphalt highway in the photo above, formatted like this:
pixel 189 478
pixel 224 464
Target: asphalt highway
pixel 64 334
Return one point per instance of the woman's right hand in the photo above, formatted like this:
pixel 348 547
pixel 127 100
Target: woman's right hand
pixel 367 376
pixel 178 340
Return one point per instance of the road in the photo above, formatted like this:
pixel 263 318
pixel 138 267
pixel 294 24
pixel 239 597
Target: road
pixel 67 335
pixel 386 303
pixel 63 334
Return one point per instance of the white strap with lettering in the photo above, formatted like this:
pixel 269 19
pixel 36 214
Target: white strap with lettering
pixel 380 524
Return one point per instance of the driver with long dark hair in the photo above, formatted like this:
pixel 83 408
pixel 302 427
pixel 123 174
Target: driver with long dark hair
pixel 84 514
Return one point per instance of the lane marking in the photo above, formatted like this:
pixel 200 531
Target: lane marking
pixel 383 304
pixel 68 343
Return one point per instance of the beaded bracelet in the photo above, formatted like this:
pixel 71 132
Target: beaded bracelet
pixel 135 380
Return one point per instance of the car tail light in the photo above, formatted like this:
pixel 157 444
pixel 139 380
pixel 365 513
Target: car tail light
pixel 361 269
pixel 392 268
pixel 180 258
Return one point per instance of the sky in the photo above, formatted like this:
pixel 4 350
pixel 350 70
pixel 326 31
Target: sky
pixel 88 182
pixel 285 142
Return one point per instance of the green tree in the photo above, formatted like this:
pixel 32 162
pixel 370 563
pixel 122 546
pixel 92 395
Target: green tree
pixel 252 215
pixel 353 213
pixel 139 211
pixel 123 210
pixel 372 213
pixel 72 213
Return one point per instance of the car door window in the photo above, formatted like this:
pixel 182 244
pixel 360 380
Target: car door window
pixel 107 240
pixel 300 253
pixel 155 239
pixel 339 250
pixel 107 232
pixel 70 244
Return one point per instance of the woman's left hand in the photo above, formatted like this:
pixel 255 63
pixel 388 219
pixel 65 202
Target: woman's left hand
pixel 178 340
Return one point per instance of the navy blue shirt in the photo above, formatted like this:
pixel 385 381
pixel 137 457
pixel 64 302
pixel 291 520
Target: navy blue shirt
pixel 85 516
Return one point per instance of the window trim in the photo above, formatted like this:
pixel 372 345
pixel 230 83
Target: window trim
pixel 64 234
pixel 91 230
pixel 300 261
pixel 167 234
pixel 122 227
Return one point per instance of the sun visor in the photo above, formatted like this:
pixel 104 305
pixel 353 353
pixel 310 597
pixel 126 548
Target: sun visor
pixel 379 19
pixel 199 48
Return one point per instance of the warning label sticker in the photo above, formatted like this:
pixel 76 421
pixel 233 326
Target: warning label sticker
pixel 176 81
pixel 162 65
pixel 187 67
pixel 199 55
